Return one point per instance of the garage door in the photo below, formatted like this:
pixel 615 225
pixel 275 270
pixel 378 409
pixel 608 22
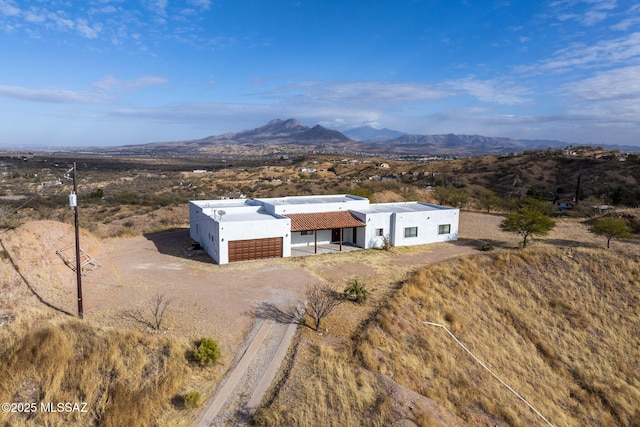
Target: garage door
pixel 242 250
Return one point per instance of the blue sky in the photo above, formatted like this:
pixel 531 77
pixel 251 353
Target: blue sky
pixel 103 72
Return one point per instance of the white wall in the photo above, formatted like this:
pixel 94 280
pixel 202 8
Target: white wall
pixel 313 206
pixel 204 230
pixel 297 239
pixel 367 236
pixel 428 223
pixel 347 235
pixel 213 234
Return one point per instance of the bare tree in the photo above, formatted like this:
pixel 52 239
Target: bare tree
pixel 157 308
pixel 322 299
pixel 386 242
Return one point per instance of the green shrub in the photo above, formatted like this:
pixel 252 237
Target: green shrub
pixel 98 194
pixel 207 352
pixel 192 399
pixel 486 247
pixel 356 291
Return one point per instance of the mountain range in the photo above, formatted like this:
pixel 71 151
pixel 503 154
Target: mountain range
pixel 290 136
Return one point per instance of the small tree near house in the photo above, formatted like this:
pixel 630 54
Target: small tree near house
pixel 386 242
pixel 322 299
pixel 488 200
pixel 611 227
pixel 527 222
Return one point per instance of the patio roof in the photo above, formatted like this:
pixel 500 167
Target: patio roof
pixel 323 221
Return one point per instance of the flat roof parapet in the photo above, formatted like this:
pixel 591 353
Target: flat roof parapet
pixel 402 207
pixel 299 200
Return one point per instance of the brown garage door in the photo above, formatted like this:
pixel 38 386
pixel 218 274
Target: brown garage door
pixel 242 250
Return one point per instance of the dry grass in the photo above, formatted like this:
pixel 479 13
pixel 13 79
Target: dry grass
pixel 335 393
pixel 125 377
pixel 560 326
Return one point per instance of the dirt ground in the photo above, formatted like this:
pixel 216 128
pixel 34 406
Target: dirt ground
pixel 209 300
pixel 206 299
pixel 214 300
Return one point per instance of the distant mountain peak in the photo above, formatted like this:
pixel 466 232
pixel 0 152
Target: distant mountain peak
pixel 371 134
pixel 289 123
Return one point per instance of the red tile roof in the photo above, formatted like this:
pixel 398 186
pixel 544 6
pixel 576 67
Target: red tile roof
pixel 323 221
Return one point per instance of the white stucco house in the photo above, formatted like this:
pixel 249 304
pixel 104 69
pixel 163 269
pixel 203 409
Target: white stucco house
pixel 244 229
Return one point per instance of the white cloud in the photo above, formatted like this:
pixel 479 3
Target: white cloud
pixel 606 53
pixel 586 12
pixel 621 83
pixel 359 93
pixel 110 82
pixel 397 95
pixel 96 95
pixel 201 4
pixel 593 17
pixel 158 7
pixel 34 16
pixel 88 31
pixel 9 8
pixel 109 9
pixel 494 90
pixel 626 23
pixel 631 18
pixel 50 95
pixel 60 21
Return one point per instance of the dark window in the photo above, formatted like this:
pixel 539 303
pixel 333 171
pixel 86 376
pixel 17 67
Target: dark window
pixel 444 229
pixel 411 232
pixel 379 232
pixel 307 233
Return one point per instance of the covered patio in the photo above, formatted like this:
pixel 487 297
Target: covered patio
pixel 329 248
pixel 338 230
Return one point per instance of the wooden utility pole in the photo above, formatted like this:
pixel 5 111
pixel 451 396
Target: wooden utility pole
pixel 73 201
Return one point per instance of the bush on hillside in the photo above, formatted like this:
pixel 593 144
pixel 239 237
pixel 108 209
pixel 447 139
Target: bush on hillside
pixel 193 399
pixel 356 291
pixel 207 352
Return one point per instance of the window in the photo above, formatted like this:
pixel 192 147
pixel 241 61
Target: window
pixel 444 229
pixel 411 232
pixel 306 233
pixel 379 231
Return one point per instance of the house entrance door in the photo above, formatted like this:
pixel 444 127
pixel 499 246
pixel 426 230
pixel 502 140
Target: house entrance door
pixel 335 235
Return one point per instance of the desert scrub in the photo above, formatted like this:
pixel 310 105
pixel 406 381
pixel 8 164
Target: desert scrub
pixel 554 322
pixel 193 399
pixel 207 353
pixel 356 291
pixel 125 377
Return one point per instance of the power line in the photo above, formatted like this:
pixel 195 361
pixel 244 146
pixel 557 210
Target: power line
pixel 488 370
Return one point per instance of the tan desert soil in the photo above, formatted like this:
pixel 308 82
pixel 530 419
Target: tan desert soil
pixel 211 300
pixel 216 297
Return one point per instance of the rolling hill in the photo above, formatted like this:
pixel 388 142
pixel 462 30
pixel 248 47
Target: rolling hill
pixel 555 325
